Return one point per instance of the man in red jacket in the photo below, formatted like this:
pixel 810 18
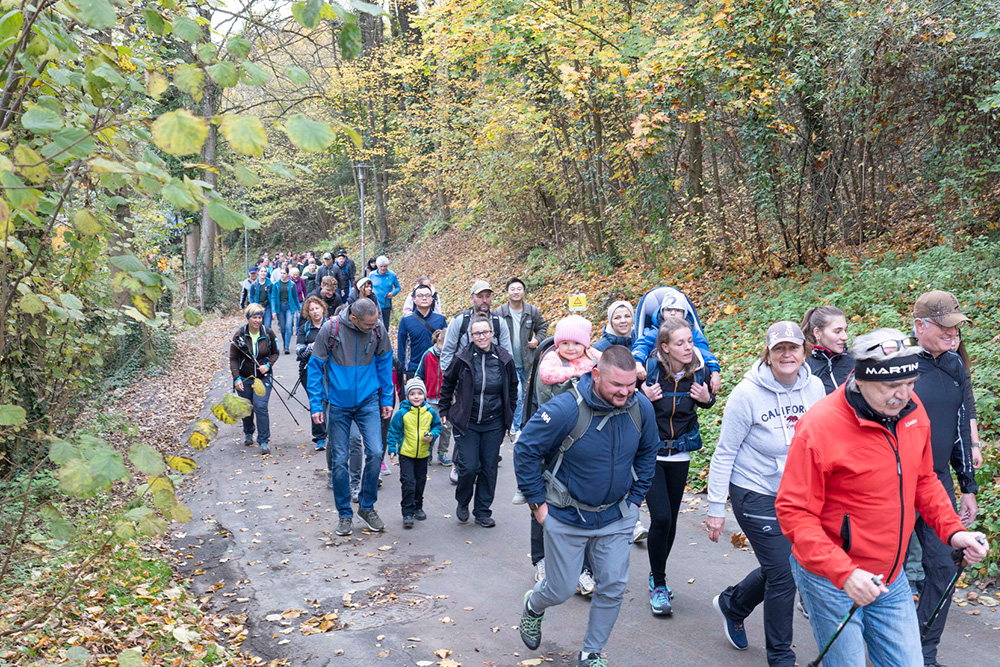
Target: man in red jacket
pixel 848 502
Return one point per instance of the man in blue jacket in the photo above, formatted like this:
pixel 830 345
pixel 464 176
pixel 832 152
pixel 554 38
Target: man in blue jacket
pixel 416 329
pixel 385 285
pixel 589 497
pixel 350 380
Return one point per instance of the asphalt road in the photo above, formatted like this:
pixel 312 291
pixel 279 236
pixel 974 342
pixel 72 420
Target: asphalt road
pixel 262 543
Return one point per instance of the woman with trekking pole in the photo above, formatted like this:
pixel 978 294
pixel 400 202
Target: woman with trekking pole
pixel 848 505
pixel 253 350
pixel 757 427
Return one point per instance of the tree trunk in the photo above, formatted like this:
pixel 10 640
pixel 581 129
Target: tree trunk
pixel 381 214
pixel 696 191
pixel 206 260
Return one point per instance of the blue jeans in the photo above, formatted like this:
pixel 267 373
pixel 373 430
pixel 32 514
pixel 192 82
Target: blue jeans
pixel 522 386
pixel 339 421
pixel 355 457
pixel 888 626
pixel 259 410
pixel 266 323
pixel 286 322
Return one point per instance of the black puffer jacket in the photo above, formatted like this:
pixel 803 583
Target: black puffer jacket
pixel 462 391
pixel 832 369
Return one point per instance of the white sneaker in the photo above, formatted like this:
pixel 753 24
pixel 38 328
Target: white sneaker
pixel 540 570
pixel 453 475
pixel 518 498
pixel 640 533
pixel 585 585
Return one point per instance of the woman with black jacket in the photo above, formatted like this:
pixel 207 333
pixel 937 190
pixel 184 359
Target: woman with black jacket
pixel 825 329
pixel 675 384
pixel 253 350
pixel 314 312
pixel 478 395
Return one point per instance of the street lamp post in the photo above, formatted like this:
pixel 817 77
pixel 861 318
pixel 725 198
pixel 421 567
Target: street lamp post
pixel 246 252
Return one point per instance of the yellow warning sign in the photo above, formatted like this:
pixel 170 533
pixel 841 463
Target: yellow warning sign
pixel 577 302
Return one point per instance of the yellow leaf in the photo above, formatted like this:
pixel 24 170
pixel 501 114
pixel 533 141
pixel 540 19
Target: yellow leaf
pixel 258 387
pixel 198 441
pixel 221 414
pixel 182 464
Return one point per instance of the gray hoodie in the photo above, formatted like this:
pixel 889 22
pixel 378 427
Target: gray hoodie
pixel 757 427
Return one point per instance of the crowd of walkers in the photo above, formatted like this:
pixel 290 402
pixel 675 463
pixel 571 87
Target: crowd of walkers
pixel 836 456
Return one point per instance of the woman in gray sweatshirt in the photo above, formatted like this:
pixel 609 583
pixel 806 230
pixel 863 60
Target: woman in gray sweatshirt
pixel 757 427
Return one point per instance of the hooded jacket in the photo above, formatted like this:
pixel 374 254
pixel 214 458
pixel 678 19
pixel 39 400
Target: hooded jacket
pixel 832 369
pixel 597 469
pixel 610 338
pixel 459 386
pixel 850 501
pixel 293 296
pixel 647 343
pixel 241 345
pixel 348 366
pixel 408 427
pixel 757 428
pixel 429 370
pixel 261 293
pixel 533 325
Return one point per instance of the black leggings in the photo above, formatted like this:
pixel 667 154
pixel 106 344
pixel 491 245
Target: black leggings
pixel 664 501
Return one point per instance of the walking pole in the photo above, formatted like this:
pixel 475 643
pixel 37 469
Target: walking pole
pixel 957 556
pixel 280 386
pixel 877 580
pixel 295 387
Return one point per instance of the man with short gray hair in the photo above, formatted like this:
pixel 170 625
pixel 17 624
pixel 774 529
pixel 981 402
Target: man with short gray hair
pixel 858 470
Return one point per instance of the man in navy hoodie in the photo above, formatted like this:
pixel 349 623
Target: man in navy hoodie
pixel 416 330
pixel 593 505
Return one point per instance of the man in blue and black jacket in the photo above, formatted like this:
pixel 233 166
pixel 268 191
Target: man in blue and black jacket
pixel 943 390
pixel 593 504
pixel 350 380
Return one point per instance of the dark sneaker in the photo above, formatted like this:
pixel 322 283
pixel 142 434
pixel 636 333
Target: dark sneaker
pixel 443 459
pixel 486 521
pixel 462 514
pixel 264 449
pixel 735 632
pixel 371 519
pixel 659 601
pixel 408 521
pixel 345 526
pixel 420 515
pixel 248 439
pixel 593 660
pixel 286 350
pixel 531 625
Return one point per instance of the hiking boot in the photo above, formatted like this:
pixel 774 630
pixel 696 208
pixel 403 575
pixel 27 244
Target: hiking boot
pixel 486 521
pixel 453 475
pixel 531 625
pixel 371 519
pixel 735 632
pixel 585 584
pixel 518 498
pixel 652 585
pixel 593 660
pixel 345 526
pixel 659 602
pixel 248 439
pixel 443 459
pixel 540 570
pixel 420 515
pixel 639 533
pixel 408 521
pixel 462 513
pixel 264 449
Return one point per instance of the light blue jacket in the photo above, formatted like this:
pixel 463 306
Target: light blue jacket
pixel 383 286
pixel 293 297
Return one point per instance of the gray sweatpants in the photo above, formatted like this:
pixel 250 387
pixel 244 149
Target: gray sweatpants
pixel 608 548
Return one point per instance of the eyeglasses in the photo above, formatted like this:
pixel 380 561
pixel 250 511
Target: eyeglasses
pixel 481 334
pixel 893 346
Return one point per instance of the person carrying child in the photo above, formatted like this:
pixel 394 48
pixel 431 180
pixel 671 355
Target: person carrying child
pixel 412 432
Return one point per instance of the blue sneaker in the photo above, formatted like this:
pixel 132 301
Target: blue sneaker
pixel 659 601
pixel 670 593
pixel 735 632
pixel 320 445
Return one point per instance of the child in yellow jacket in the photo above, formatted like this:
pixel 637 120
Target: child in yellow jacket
pixel 412 430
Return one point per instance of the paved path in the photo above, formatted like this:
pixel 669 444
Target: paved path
pixel 263 527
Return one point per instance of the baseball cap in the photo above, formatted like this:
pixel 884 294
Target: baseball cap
pixel 480 286
pixel 941 307
pixel 341 253
pixel 253 270
pixel 784 332
pixel 327 255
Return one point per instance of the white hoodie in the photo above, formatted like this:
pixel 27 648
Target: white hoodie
pixel 757 428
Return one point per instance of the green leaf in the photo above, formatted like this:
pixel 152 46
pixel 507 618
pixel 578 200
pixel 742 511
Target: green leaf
pixel 130 657
pixel 12 415
pixel 177 194
pixel 10 25
pixel 70 301
pixel 368 8
pixel 180 132
pixel 192 316
pixel 146 459
pixel 96 13
pixel 224 73
pixel 354 135
pixel 207 53
pixel 297 75
pixel 61 451
pixel 109 74
pixel 40 120
pixel 152 526
pixel 86 223
pixel 245 134
pixel 279 169
pixel 31 164
pixel 191 80
pixel 187 30
pixel 153 21
pixel 58 526
pixel 245 177
pixel 127 263
pixel 179 513
pixel 107 466
pixel 226 217
pixel 238 48
pixel 350 41
pixel 254 75
pixel 20 197
pixel 124 530
pixel 70 142
pixel 307 13
pixel 31 304
pixel 309 135
pixel 236 407
pixel 74 478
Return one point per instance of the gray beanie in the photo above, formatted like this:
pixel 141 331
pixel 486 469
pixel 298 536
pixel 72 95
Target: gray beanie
pixel 620 304
pixel 415 383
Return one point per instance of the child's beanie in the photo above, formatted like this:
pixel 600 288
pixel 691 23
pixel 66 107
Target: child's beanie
pixel 574 328
pixel 415 383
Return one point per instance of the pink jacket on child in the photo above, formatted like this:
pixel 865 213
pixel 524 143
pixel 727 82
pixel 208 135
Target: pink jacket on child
pixel 554 369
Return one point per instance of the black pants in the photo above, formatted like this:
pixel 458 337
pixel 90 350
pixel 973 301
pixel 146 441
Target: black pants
pixel 771 583
pixel 939 568
pixel 664 501
pixel 479 454
pixel 413 479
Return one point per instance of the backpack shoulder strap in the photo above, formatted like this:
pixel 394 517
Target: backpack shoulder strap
pixel 464 327
pixel 496 326
pixel 584 416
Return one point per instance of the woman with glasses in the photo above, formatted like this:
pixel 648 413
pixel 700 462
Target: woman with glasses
pixel 757 428
pixel 478 395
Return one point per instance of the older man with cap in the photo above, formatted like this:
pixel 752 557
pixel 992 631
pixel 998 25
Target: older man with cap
pixel 326 269
pixel 457 336
pixel 385 285
pixel 859 468
pixel 943 389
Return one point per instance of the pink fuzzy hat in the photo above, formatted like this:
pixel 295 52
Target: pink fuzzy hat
pixel 574 328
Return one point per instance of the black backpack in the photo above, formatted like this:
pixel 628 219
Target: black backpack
pixel 464 328
pixel 530 402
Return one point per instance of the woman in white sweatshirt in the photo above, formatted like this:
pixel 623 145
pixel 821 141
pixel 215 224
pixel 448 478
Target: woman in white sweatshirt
pixel 757 427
